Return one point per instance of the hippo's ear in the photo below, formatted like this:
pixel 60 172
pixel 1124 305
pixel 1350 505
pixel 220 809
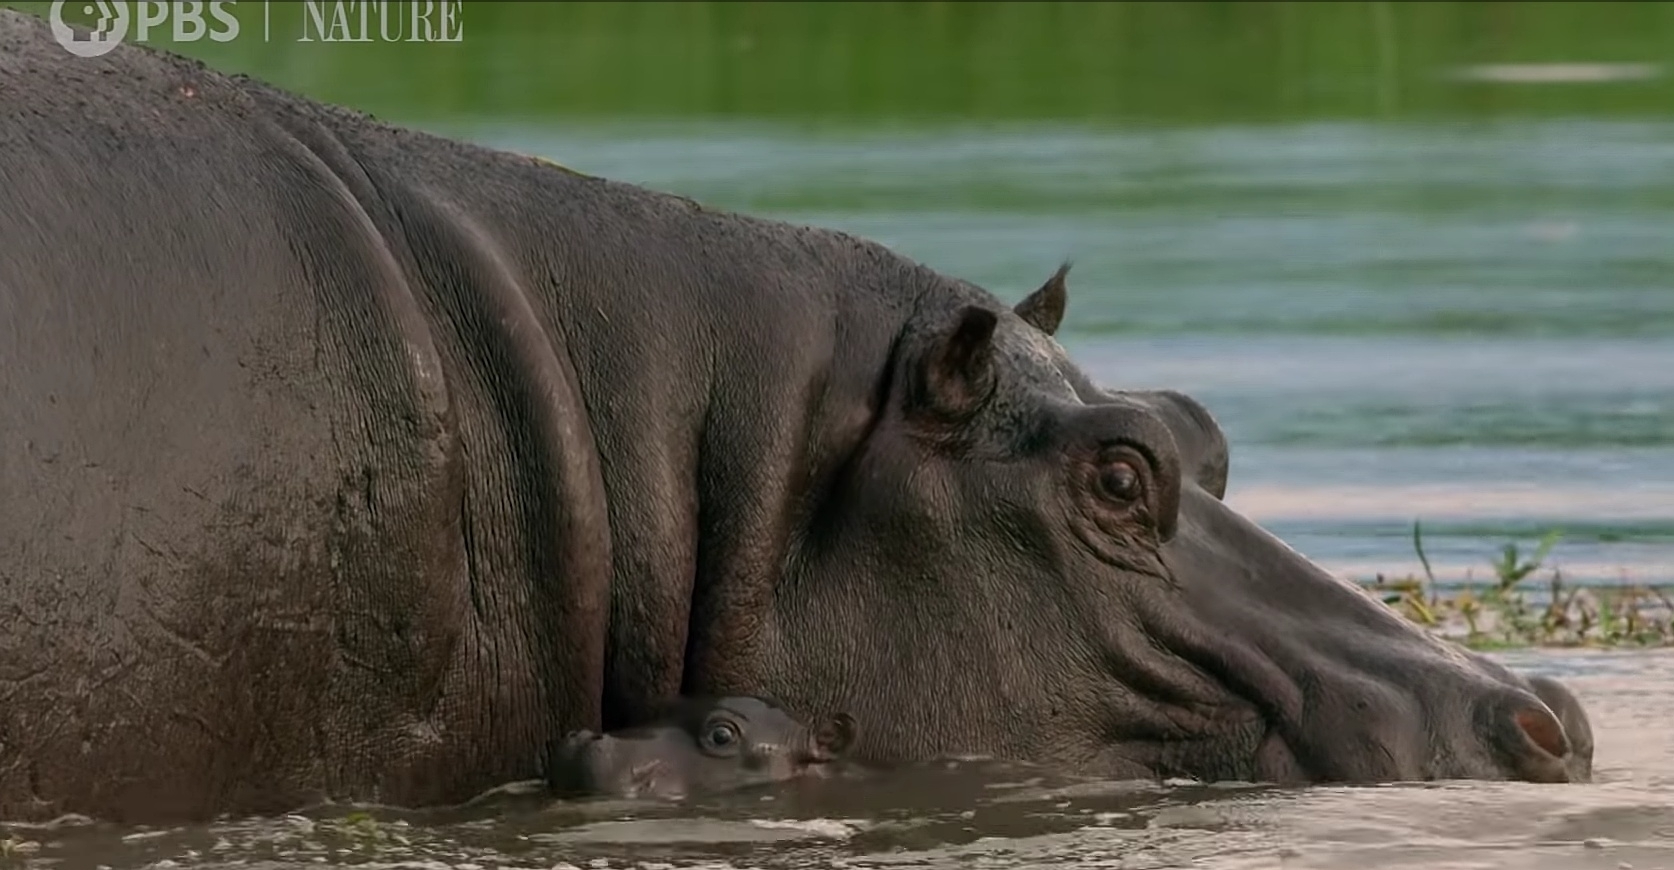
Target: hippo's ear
pixel 957 375
pixel 1044 308
pixel 835 735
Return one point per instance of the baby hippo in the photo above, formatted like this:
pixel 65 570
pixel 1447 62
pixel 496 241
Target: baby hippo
pixel 699 745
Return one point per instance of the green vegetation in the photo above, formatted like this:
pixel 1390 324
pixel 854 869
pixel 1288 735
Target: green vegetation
pixel 1498 613
pixel 360 831
pixel 14 849
pixel 1057 62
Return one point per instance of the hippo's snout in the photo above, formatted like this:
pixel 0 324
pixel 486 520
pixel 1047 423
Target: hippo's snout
pixel 581 762
pixel 1577 729
pixel 577 739
pixel 1528 736
pixel 587 762
pixel 584 748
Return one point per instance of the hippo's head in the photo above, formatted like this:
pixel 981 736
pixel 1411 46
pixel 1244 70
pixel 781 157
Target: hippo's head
pixel 1009 560
pixel 696 746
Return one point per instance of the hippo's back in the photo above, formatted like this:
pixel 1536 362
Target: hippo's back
pixel 232 572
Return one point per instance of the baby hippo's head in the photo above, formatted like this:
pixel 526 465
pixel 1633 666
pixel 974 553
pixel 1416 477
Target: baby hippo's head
pixel 699 745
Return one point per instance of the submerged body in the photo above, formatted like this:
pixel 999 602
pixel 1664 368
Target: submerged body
pixel 699 746
pixel 342 461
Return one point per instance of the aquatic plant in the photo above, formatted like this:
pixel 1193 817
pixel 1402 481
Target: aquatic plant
pixel 14 849
pixel 1499 614
pixel 360 831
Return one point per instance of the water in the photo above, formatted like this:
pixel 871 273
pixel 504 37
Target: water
pixel 1415 257
pixel 974 814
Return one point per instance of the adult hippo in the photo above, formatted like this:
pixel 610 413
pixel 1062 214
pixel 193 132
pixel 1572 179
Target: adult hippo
pixel 344 461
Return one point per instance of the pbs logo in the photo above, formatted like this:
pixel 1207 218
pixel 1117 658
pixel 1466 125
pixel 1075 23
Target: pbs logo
pixel 112 20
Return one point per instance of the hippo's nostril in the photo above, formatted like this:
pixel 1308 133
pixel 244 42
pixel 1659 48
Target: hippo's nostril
pixel 1543 730
pixel 1561 701
pixel 575 745
pixel 1529 737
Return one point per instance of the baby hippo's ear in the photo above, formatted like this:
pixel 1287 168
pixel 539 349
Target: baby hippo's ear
pixel 836 734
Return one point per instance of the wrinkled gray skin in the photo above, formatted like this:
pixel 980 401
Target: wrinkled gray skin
pixel 343 461
pixel 699 746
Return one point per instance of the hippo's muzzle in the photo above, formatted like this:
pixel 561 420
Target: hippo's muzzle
pixel 589 762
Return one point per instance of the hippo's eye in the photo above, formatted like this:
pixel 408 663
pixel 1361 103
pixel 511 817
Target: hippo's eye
pixel 720 737
pixel 1120 481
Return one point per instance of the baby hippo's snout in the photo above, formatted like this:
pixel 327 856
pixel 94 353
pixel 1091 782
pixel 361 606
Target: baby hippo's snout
pixel 576 741
pixel 698 745
pixel 591 763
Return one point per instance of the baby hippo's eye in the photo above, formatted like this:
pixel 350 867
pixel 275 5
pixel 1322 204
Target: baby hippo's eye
pixel 720 736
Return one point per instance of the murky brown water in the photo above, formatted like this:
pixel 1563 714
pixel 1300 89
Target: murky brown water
pixel 975 814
